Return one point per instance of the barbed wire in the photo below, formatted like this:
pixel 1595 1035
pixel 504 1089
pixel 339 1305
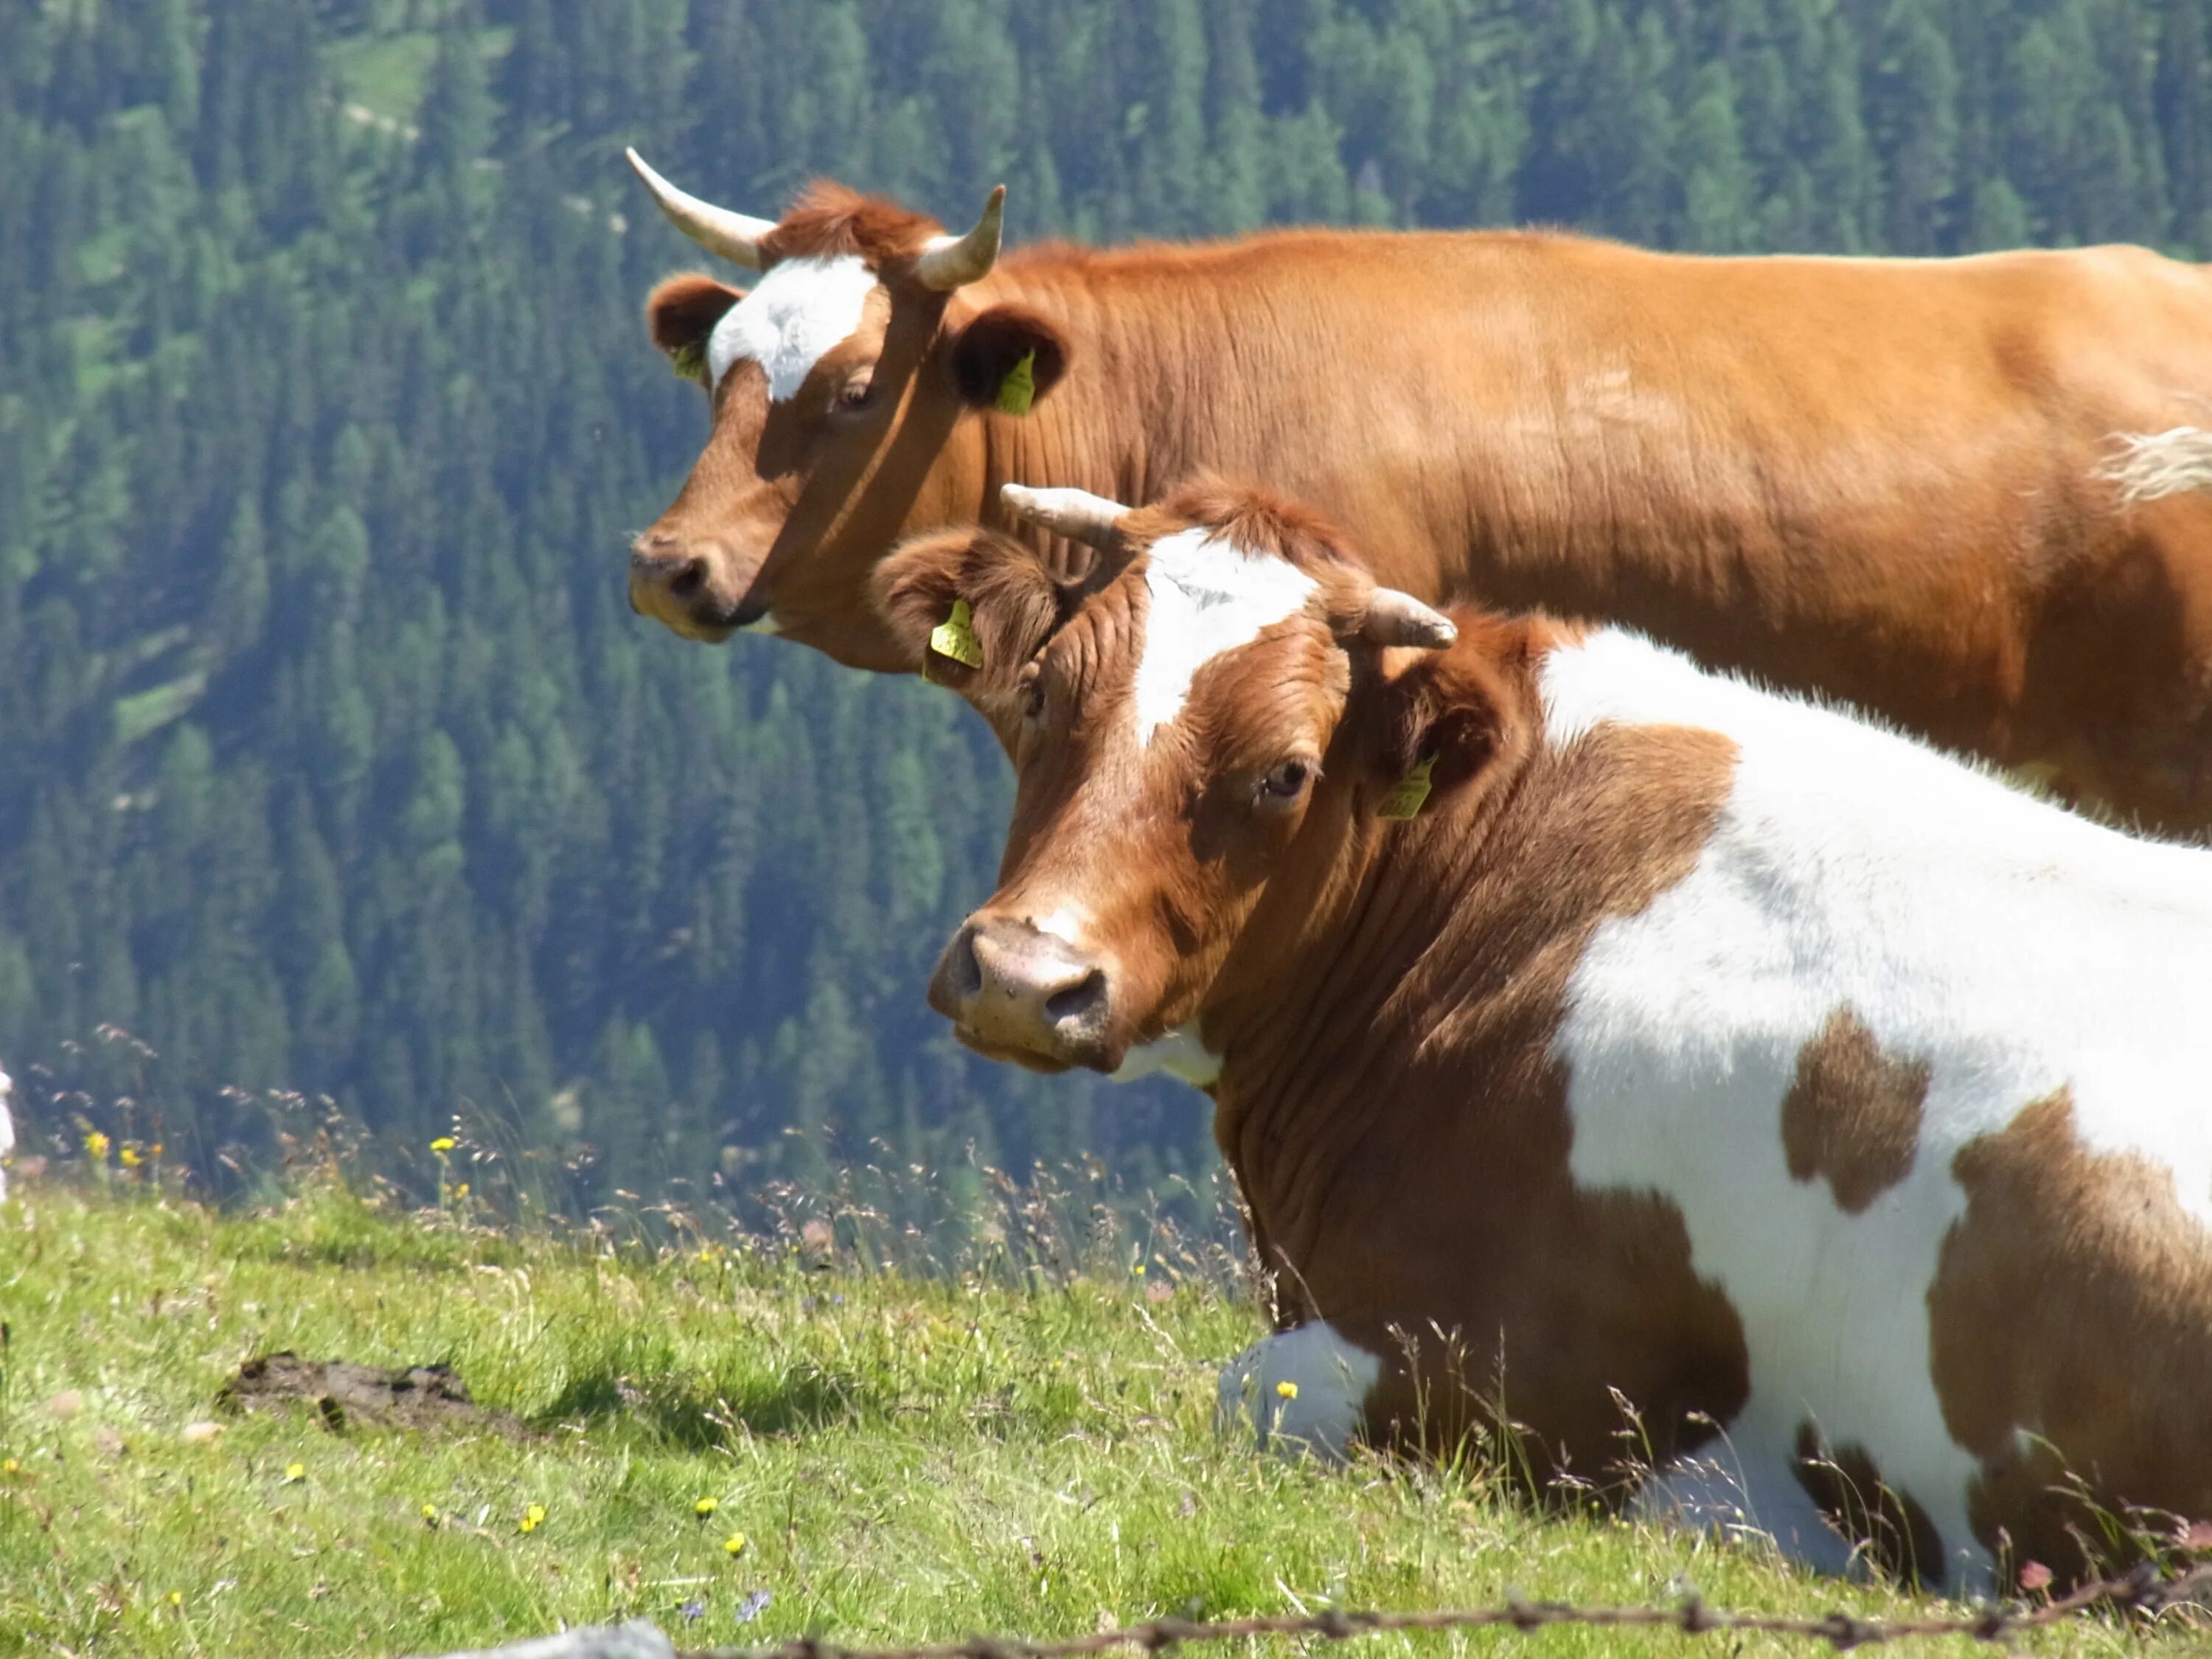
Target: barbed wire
pixel 2147 1590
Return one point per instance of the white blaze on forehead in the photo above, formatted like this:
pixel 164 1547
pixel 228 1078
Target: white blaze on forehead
pixel 796 316
pixel 1208 596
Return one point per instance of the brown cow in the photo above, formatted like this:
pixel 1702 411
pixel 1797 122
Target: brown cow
pixel 1966 494
pixel 1841 1110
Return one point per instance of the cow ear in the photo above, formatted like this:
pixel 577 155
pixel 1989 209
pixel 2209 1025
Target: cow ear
pixel 681 313
pixel 1005 358
pixel 967 608
pixel 1446 717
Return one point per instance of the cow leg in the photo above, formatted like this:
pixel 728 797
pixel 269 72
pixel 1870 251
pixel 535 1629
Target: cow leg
pixel 1738 1491
pixel 1301 1391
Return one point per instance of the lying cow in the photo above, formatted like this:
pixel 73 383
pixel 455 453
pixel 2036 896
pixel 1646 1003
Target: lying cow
pixel 1967 494
pixel 1595 1029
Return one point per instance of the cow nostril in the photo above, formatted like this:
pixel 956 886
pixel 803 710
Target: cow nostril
pixel 690 576
pixel 966 972
pixel 1078 999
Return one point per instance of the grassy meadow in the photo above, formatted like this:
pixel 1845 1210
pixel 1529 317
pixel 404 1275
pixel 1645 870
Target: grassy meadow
pixel 742 1441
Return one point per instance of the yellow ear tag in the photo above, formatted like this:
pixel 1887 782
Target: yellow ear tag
pixel 689 361
pixel 955 637
pixel 1407 794
pixel 1019 390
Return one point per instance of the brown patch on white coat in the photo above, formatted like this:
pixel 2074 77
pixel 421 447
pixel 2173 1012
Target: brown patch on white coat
pixel 1853 1113
pixel 2070 1344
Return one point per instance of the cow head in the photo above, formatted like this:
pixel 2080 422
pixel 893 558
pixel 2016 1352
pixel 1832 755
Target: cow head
pixel 1169 729
pixel 837 386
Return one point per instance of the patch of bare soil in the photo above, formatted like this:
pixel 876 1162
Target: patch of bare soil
pixel 347 1395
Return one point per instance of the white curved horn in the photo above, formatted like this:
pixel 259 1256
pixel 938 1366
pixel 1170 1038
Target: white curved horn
pixel 735 236
pixel 1396 618
pixel 1075 513
pixel 950 261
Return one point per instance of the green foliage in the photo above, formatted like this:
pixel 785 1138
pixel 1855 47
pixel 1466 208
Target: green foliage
pixel 333 757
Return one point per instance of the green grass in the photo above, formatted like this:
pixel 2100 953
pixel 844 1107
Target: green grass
pixel 908 1459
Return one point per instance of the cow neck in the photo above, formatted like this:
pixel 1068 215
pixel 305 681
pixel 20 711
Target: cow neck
pixel 1307 1003
pixel 1142 405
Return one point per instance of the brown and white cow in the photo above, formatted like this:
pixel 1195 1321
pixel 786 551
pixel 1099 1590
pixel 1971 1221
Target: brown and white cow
pixel 1970 495
pixel 1843 1112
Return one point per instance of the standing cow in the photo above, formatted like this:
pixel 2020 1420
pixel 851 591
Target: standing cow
pixel 1608 1030
pixel 1970 495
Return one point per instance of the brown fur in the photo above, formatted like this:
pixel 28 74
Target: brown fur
pixel 828 219
pixel 2067 1298
pixel 1831 472
pixel 1852 1113
pixel 1555 1298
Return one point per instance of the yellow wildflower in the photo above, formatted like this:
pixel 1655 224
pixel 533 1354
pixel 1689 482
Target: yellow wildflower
pixel 296 1472
pixel 176 1598
pixel 734 1544
pixel 130 1156
pixel 96 1146
pixel 706 1506
pixel 443 1144
pixel 10 1466
pixel 1288 1390
pixel 461 1191
pixel 532 1518
pixel 430 1513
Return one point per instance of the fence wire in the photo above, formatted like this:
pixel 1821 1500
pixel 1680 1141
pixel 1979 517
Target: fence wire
pixel 2147 1591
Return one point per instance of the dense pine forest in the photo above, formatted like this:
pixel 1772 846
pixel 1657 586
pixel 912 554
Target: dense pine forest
pixel 331 759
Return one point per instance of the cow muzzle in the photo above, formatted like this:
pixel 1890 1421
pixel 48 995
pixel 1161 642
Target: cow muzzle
pixel 1013 992
pixel 696 585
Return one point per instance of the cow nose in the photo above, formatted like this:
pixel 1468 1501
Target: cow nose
pixel 1013 989
pixel 659 563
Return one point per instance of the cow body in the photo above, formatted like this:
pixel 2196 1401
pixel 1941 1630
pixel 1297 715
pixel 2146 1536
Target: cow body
pixel 1967 494
pixel 1877 1135
pixel 1697 1054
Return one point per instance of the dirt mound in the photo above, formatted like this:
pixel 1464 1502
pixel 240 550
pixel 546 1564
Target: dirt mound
pixel 346 1395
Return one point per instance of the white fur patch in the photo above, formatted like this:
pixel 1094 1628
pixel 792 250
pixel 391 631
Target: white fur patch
pixel 1324 1402
pixel 1207 597
pixel 1180 1054
pixel 1065 924
pixel 795 316
pixel 2151 464
pixel 2015 948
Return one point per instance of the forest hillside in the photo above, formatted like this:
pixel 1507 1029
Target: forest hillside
pixel 332 761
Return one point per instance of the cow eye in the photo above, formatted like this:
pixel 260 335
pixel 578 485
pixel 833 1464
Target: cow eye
pixel 1033 696
pixel 1287 779
pixel 856 395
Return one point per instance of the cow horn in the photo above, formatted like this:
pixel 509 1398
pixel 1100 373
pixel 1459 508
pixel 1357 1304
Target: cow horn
pixel 1395 618
pixel 1075 513
pixel 948 262
pixel 736 236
